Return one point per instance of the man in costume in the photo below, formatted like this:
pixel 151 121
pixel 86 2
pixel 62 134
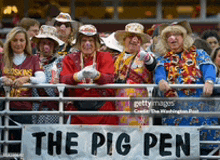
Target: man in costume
pixel 89 66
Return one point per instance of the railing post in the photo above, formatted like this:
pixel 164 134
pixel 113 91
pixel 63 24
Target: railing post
pixel 150 90
pixel 61 88
pixel 6 120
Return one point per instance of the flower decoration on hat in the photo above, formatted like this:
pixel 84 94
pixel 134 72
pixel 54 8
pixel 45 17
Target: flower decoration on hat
pixel 47 32
pixel 88 30
pixel 64 17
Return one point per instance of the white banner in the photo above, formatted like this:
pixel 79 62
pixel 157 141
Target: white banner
pixel 55 142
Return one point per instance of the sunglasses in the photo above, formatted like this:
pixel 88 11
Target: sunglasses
pixel 60 24
pixel 133 35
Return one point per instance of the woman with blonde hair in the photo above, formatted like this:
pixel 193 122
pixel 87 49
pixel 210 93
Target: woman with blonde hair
pixel 18 67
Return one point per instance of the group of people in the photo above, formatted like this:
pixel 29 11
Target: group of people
pixel 172 58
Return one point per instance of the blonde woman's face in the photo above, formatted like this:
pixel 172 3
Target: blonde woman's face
pixel 18 43
pixel 217 59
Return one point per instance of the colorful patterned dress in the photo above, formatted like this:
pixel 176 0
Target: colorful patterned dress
pixel 189 67
pixel 137 74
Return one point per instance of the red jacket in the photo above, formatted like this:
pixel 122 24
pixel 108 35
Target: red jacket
pixel 105 65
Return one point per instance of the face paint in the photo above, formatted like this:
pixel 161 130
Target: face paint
pixel 88 45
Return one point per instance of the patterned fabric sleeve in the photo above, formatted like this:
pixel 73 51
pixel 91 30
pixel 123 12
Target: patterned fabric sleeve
pixel 206 65
pixel 160 72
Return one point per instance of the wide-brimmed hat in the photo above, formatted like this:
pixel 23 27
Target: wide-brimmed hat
pixel 64 17
pixel 48 32
pixel 183 24
pixel 136 28
pixel 88 30
pixel 112 43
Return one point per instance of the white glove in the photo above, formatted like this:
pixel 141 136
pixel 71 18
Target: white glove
pixel 87 72
pixel 90 72
pixel 146 57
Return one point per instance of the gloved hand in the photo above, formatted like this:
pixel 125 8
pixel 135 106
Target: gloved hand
pixel 146 57
pixel 87 72
pixel 90 72
pixel 7 81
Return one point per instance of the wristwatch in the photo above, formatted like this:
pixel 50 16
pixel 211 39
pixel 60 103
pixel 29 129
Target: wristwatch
pixel 210 82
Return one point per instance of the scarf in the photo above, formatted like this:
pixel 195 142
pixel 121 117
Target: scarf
pixel 184 67
pixel 120 63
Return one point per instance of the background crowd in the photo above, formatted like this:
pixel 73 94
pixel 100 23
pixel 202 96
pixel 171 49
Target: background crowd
pixel 166 54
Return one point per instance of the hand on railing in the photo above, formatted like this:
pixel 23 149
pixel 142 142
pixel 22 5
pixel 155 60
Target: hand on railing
pixel 164 85
pixel 20 81
pixel 7 81
pixel 208 88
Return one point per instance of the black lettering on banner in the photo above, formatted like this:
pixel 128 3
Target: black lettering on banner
pixel 38 136
pixel 56 143
pixel 69 135
pixel 147 144
pixel 185 147
pixel 109 143
pixel 127 147
pixel 95 143
pixel 164 145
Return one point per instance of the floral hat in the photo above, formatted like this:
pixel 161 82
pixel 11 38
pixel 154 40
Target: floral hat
pixel 64 17
pixel 136 28
pixel 47 32
pixel 88 30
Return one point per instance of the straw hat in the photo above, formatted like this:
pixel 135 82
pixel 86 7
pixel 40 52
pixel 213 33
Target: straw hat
pixel 112 43
pixel 136 28
pixel 48 32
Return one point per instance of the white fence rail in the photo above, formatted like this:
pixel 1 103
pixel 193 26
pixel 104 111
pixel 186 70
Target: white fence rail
pixel 4 141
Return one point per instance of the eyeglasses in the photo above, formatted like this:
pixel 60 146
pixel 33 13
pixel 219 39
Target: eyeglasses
pixel 60 24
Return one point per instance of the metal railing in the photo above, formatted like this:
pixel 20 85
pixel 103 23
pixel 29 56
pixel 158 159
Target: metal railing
pixel 6 112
